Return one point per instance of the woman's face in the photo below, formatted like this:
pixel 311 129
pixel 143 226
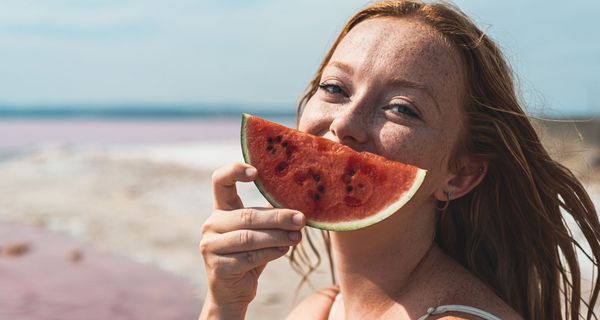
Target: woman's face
pixel 392 87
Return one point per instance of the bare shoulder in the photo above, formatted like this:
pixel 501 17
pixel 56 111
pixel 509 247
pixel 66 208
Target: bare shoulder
pixel 315 306
pixel 469 314
pixel 468 290
pixel 451 284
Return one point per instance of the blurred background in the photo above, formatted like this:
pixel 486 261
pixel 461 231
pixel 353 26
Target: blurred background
pixel 113 114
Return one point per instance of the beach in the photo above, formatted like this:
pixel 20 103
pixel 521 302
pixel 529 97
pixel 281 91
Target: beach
pixel 136 190
pixel 140 191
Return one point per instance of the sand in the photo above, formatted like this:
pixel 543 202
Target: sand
pixel 140 200
pixel 144 197
pixel 45 275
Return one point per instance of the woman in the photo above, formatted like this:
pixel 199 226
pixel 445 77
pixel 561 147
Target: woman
pixel 483 237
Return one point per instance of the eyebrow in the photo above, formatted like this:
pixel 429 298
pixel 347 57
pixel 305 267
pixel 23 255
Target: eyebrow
pixel 342 66
pixel 400 82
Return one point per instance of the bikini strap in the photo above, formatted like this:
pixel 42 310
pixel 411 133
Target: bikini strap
pixel 459 308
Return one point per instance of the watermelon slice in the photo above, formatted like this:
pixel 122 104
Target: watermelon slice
pixel 336 187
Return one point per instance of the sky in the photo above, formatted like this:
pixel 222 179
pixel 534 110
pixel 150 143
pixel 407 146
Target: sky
pixel 259 53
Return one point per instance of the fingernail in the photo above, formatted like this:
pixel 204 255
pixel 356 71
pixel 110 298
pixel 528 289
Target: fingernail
pixel 250 172
pixel 297 219
pixel 294 236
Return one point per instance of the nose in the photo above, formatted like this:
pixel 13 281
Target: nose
pixel 350 127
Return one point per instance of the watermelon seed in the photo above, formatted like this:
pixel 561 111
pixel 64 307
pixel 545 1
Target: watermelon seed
pixel 270 140
pixel 273 151
pixel 349 188
pixel 351 173
pixel 317 197
pixel 281 167
pixel 289 149
pixel 278 139
pixel 317 177
pixel 269 147
pixel 284 144
pixel 321 188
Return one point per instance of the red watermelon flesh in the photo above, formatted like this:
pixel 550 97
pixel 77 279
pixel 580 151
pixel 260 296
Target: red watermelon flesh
pixel 336 187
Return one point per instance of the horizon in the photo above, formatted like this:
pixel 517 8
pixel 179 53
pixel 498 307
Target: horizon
pixel 185 111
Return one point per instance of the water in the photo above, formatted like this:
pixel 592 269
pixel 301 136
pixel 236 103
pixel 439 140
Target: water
pixel 135 112
pixel 116 126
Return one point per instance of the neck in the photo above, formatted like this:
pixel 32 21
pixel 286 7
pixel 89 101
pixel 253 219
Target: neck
pixel 377 265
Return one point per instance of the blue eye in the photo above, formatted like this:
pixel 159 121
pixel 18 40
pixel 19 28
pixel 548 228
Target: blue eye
pixel 332 89
pixel 404 110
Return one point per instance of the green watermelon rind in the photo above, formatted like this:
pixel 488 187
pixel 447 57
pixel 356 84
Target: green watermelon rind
pixel 342 225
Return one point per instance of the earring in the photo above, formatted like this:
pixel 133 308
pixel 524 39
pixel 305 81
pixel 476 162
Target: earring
pixel 446 203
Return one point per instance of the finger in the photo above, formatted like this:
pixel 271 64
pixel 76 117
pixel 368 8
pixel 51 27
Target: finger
pixel 249 240
pixel 256 218
pixel 242 262
pixel 224 179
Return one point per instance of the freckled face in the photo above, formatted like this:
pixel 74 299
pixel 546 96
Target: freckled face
pixel 392 87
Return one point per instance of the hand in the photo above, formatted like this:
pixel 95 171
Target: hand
pixel 238 242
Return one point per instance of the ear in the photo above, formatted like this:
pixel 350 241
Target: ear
pixel 470 173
